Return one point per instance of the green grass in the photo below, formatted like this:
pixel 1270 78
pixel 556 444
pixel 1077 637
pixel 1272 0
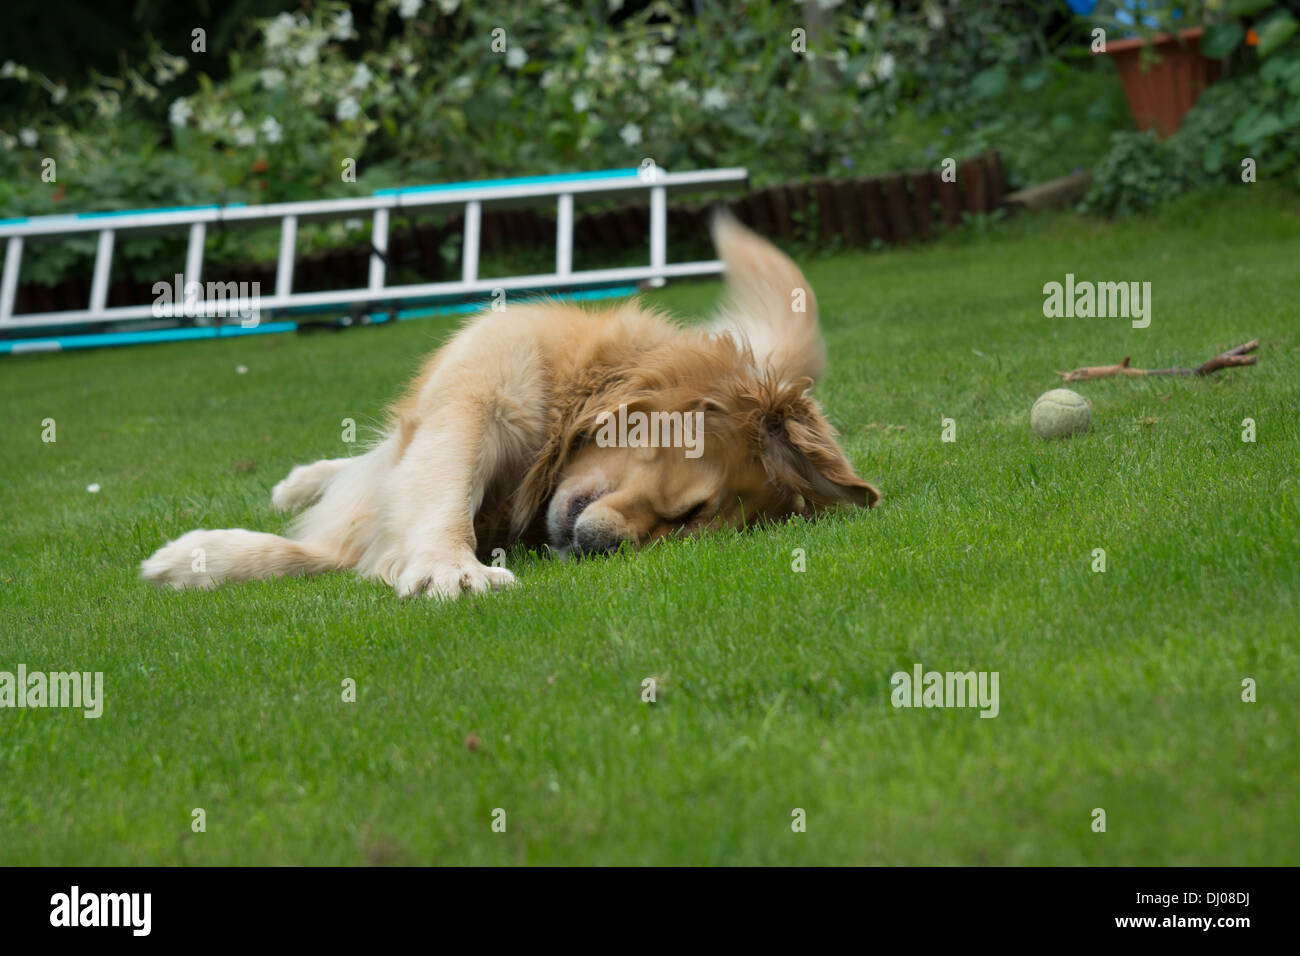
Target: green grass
pixel 1119 690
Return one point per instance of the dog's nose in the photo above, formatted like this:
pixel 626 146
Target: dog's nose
pixel 593 539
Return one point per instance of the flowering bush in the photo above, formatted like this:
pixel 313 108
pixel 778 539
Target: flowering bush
pixel 438 90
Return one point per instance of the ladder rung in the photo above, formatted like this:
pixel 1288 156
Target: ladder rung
pixel 469 258
pixel 103 268
pixel 564 235
pixel 378 239
pixel 284 268
pixel 194 253
pixel 9 284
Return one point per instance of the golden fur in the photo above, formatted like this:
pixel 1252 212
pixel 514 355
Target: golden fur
pixel 495 443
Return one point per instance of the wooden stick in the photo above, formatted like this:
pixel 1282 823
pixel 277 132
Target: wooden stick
pixel 1229 359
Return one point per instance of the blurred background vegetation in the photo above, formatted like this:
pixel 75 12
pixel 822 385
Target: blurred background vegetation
pixel 269 100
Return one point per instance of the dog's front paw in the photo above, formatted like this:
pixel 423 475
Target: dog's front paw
pixel 297 491
pixel 447 577
pixel 283 497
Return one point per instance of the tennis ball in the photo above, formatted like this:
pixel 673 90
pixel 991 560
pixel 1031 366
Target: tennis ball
pixel 1060 412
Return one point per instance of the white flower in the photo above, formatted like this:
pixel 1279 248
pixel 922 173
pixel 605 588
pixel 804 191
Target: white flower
pixel 27 136
pixel 272 130
pixel 516 57
pixel 681 89
pixel 347 109
pixel 8 69
pixel 236 118
pixel 714 99
pixel 807 123
pixel 548 79
pixel 462 84
pixel 885 68
pixel 311 97
pixel 341 28
pixel 663 54
pixel 180 112
pixel 93 488
pixel 307 53
pixel 866 80
pixel 245 136
pixel 278 30
pixel 648 76
pixel 630 134
pixel 361 77
pixel 934 17
pixel 58 94
pixel 828 4
pixel 271 78
pixel 448 7
pixel 581 102
pixel 409 8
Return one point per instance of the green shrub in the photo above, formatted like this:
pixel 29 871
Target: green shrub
pixel 1252 117
pixel 445 91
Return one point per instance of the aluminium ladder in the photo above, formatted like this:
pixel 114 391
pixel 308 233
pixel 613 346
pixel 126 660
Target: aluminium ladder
pixel 472 195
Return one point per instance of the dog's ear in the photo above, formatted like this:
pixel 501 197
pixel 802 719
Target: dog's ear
pixel 770 307
pixel 800 452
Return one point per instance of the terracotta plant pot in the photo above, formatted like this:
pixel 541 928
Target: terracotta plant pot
pixel 1160 97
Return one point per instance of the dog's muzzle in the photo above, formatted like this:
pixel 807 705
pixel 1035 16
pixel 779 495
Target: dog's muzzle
pixel 585 537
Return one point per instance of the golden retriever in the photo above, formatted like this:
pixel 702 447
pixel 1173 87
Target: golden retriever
pixel 548 423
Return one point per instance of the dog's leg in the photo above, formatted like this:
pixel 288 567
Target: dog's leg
pixel 473 422
pixel 435 490
pixel 305 484
pixel 204 559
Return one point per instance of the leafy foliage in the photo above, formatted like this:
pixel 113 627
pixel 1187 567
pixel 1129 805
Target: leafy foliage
pixel 1252 116
pixel 417 91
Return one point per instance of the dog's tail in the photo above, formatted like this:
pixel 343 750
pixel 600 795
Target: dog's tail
pixel 204 559
pixel 769 305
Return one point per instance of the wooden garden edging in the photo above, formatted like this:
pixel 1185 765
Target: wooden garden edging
pixel 895 209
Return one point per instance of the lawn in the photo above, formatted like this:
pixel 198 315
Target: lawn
pixel 1118 690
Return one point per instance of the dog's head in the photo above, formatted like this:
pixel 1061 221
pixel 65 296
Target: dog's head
pixel 714 432
pixel 752 449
